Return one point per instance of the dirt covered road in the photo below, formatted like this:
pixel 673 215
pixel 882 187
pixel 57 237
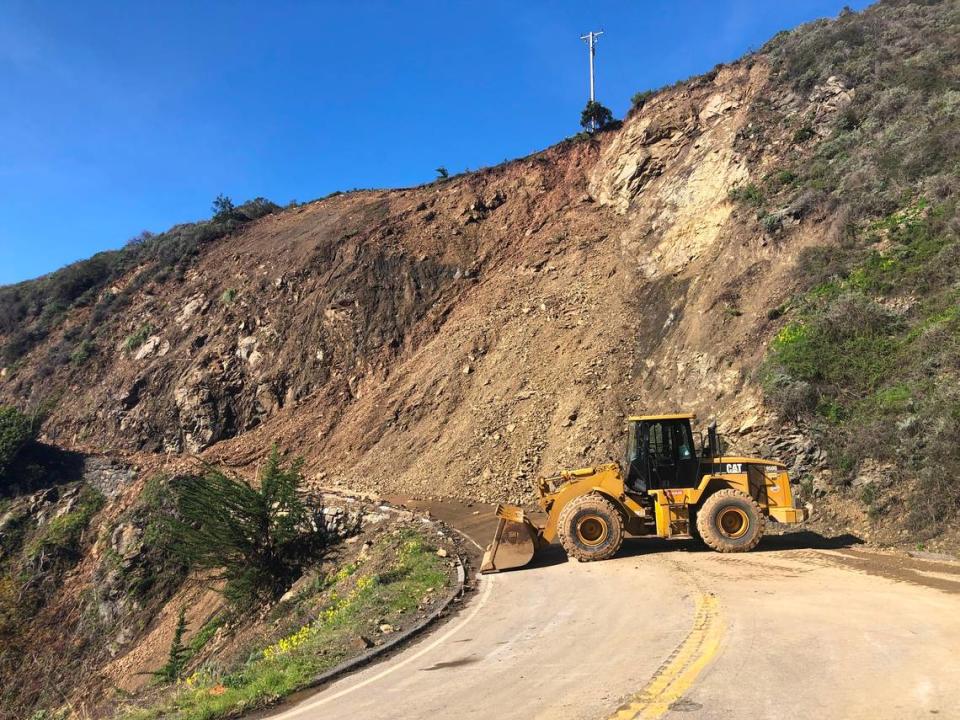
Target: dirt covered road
pixel 803 627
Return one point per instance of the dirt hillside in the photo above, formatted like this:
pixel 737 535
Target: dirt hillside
pixel 461 337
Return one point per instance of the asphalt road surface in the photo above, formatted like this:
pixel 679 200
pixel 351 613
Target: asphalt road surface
pixel 802 627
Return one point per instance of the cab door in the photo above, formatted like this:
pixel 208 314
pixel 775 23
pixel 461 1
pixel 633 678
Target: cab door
pixel 661 454
pixel 638 473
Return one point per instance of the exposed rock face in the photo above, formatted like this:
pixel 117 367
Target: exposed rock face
pixel 465 336
pixel 671 169
pixel 827 100
pixel 108 475
pixel 204 410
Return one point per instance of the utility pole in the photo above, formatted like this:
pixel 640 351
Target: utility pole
pixel 591 38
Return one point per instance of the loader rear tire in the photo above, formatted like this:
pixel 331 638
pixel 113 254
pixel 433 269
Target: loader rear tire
pixel 590 528
pixel 731 521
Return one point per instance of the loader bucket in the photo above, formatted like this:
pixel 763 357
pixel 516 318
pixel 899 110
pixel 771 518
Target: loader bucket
pixel 514 543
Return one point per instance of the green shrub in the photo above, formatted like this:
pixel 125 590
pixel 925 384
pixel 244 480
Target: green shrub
pixel 83 352
pixel 804 133
pixel 206 633
pixel 895 398
pixel 56 544
pixel 258 539
pixel 30 310
pixel 777 312
pixel 255 209
pixel 870 497
pixel 748 194
pixel 785 177
pixel 848 120
pixel 16 431
pixel 20 342
pixel 223 207
pixel 61 714
pixel 850 345
pixel 639 99
pixel 937 500
pixel 229 295
pixel 820 267
pixel 138 338
pixel 771 222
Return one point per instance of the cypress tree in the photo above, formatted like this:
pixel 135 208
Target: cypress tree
pixel 179 653
pixel 256 539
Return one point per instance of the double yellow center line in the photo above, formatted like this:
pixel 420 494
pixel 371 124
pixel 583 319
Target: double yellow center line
pixel 680 670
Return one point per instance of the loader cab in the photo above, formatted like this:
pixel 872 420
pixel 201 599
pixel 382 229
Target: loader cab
pixel 661 453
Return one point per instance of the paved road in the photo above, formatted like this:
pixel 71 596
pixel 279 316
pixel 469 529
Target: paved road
pixel 668 631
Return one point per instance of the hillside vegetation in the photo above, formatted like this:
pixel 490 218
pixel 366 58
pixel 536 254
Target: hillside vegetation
pixel 31 311
pixel 871 350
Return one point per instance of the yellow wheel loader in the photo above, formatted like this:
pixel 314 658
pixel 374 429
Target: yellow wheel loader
pixel 664 488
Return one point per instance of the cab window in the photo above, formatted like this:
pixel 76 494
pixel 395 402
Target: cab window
pixel 633 443
pixel 661 443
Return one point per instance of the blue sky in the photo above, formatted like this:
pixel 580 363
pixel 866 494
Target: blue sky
pixel 119 117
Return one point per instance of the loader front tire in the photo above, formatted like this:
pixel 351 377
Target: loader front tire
pixel 730 521
pixel 590 528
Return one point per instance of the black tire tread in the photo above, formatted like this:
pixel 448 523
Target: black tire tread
pixel 601 505
pixel 708 531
